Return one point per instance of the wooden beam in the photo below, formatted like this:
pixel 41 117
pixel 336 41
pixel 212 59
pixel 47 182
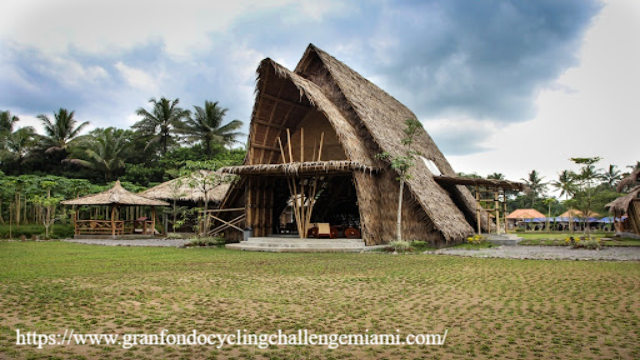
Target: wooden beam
pixel 269 124
pixel 283 101
pixel 264 147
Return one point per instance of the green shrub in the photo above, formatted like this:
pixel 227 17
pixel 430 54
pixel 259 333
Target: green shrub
pixel 208 241
pixel 476 239
pixel 584 243
pixel 519 230
pixel 400 245
pixel 57 231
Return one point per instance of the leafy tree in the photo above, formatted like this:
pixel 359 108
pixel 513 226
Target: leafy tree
pixel 17 147
pixel 104 150
pixel 586 182
pixel 205 126
pixel 496 176
pixel 402 164
pixel 62 133
pixel 567 187
pixel 162 124
pixel 611 176
pixel 7 122
pixel 535 185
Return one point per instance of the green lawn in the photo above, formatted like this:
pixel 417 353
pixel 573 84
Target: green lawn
pixel 493 308
pixel 558 238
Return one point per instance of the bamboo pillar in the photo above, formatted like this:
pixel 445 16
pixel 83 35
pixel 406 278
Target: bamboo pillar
pixel 113 224
pixel 504 203
pixel 478 219
pixel 497 208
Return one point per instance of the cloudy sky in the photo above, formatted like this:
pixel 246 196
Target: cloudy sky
pixel 502 86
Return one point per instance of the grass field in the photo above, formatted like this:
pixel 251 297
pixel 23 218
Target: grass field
pixel 492 308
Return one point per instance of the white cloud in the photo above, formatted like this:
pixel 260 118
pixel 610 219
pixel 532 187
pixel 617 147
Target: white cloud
pixel 598 116
pixel 139 79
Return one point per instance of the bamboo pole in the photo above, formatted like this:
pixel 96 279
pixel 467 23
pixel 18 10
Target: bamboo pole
pixel 113 224
pixel 497 208
pixel 292 186
pixel 478 219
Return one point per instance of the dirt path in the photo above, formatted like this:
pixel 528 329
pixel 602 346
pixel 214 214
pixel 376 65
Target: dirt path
pixel 548 253
pixel 138 242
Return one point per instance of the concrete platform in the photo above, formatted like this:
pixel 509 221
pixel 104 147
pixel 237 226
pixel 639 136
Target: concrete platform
pixel 504 239
pixel 295 244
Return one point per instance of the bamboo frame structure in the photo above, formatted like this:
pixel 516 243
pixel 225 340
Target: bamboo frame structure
pixel 302 205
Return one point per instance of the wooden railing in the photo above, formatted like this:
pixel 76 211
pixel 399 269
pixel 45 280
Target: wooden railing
pixel 118 227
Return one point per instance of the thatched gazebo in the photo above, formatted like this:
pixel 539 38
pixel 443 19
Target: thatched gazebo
pixel 315 133
pixel 115 198
pixel 180 189
pixel 629 204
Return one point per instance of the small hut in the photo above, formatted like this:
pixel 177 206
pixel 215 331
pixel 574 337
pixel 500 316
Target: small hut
pixel 520 215
pixel 190 191
pixel 181 190
pixel 115 199
pixel 629 204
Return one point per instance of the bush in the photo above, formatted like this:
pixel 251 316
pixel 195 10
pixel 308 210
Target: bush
pixel 209 241
pixel 56 231
pixel 519 230
pixel 400 245
pixel 476 239
pixel 584 243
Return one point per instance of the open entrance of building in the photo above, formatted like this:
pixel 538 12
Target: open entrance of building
pixel 333 212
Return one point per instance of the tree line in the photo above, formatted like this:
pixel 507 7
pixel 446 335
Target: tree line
pixel 587 190
pixel 166 137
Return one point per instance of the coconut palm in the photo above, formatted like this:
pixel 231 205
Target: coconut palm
pixel 206 126
pixel 7 121
pixel 565 184
pixel 62 133
pixel 104 151
pixel 163 123
pixel 611 176
pixel 17 146
pixel 535 185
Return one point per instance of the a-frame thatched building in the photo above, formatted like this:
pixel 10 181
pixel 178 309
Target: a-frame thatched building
pixel 325 101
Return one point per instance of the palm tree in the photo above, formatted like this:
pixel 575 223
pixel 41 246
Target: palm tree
pixel 496 176
pixel 611 176
pixel 164 120
pixel 565 184
pixel 104 151
pixel 206 126
pixel 7 121
pixel 536 186
pixel 61 133
pixel 17 146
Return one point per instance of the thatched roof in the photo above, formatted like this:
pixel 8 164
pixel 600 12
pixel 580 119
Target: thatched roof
pixel 117 195
pixel 505 184
pixel 367 121
pixel 180 189
pixel 622 203
pixel 629 181
pixel 300 168
pixel 577 213
pixel 383 117
pixel 525 214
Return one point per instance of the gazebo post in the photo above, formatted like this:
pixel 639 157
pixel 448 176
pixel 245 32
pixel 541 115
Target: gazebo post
pixel 113 224
pixel 153 220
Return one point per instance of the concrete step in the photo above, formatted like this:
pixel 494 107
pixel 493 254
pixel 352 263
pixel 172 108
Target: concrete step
pixel 273 244
pixel 504 239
